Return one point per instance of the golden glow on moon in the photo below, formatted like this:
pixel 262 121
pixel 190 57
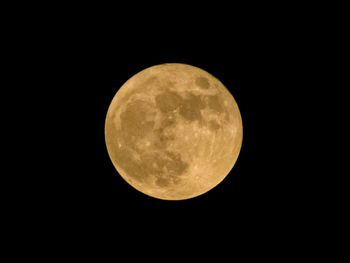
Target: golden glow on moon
pixel 173 131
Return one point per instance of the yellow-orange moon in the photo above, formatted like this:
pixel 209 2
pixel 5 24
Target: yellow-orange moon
pixel 173 131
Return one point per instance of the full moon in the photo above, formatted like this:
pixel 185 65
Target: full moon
pixel 173 131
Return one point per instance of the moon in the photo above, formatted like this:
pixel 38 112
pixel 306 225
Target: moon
pixel 173 131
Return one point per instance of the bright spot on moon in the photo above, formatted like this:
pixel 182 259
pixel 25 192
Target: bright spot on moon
pixel 173 131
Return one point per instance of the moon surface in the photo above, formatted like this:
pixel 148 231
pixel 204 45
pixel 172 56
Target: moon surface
pixel 173 131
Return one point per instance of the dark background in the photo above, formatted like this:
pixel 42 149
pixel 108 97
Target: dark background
pixel 253 64
pixel 69 61
pixel 80 63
